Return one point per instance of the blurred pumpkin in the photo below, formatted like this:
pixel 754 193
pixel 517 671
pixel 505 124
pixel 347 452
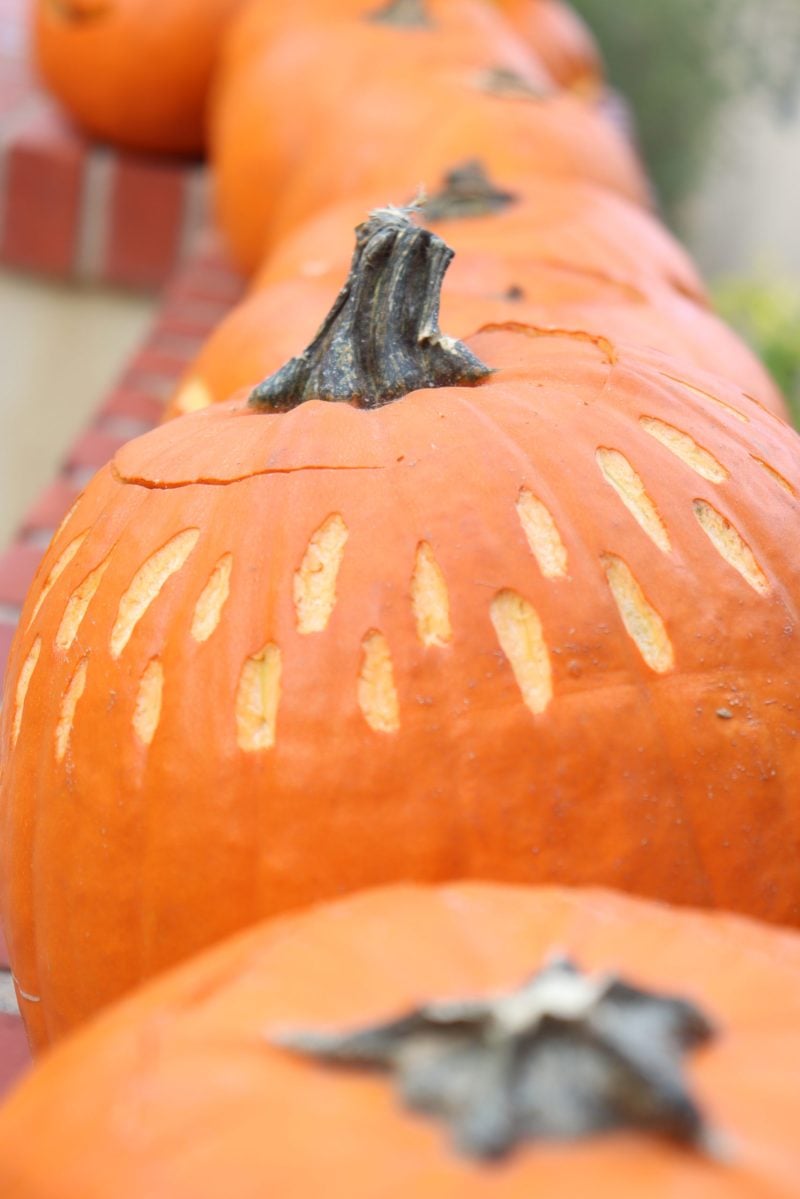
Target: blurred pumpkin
pixel 428 94
pixel 538 252
pixel 135 73
pixel 535 624
pixel 188 1092
pixel 560 39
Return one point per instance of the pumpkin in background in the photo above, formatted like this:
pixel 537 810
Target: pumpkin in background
pixel 434 99
pixel 277 321
pixel 531 625
pixel 189 1092
pixel 503 225
pixel 560 39
pixel 135 73
pixel 572 255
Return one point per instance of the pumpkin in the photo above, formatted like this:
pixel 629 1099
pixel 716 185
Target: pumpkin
pixel 194 1087
pixel 527 614
pixel 278 320
pixel 135 73
pixel 570 255
pixel 560 39
pixel 503 226
pixel 281 153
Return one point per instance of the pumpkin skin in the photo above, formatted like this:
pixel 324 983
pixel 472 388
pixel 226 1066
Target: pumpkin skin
pixel 279 320
pixel 390 130
pixel 469 709
pixel 560 39
pixel 186 1097
pixel 107 62
pixel 575 225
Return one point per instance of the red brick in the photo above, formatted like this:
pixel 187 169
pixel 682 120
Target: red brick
pixel 145 221
pixel 192 319
pixel 17 568
pixel 135 404
pixel 15 1056
pixel 44 174
pixel 52 506
pixel 94 448
pixel 150 361
pixel 7 631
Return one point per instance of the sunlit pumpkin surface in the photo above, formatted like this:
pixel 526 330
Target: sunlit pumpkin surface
pixel 538 630
pixel 182 1093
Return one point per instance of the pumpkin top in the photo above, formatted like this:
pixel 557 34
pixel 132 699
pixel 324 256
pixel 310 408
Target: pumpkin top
pixel 381 339
pixel 564 1056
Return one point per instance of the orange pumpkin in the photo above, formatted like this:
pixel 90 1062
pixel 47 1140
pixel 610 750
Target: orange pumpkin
pixel 560 39
pixel 535 625
pixel 188 1093
pixel 571 255
pixel 282 151
pixel 503 226
pixel 133 72
pixel 277 321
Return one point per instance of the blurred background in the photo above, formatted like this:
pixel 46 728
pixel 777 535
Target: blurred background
pixel 714 88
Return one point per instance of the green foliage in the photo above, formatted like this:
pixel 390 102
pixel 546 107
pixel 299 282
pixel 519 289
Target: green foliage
pixel 679 61
pixel 767 314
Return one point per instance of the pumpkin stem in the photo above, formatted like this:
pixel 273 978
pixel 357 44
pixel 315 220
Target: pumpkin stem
pixel 410 14
pixel 381 339
pixel 503 82
pixel 566 1056
pixel 79 11
pixel 467 192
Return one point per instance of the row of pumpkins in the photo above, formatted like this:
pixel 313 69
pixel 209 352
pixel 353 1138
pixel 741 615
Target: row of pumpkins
pixel 519 608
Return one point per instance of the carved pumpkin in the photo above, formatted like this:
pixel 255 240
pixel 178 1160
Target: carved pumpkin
pixel 131 72
pixel 277 321
pixel 433 98
pixel 560 39
pixel 572 255
pixel 531 625
pixel 501 227
pixel 189 1088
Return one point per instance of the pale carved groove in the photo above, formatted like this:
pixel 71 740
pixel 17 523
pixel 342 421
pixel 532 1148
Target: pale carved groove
pixel 686 448
pixel 77 606
pixel 430 599
pixel 519 631
pixel 377 694
pixel 212 599
pixel 69 705
pixel 56 571
pixel 314 584
pixel 23 683
pixel 542 534
pixel 147 710
pixel 730 545
pixel 619 474
pixel 642 623
pixel 147 584
pixel 257 700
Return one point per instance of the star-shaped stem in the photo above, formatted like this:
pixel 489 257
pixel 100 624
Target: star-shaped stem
pixel 565 1056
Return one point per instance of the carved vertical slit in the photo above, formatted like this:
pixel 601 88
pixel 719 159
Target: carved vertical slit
pixel 686 448
pixel 542 534
pixel 642 623
pixel 775 475
pixel 23 683
pixel 430 599
pixel 619 474
pixel 56 572
pixel 146 585
pixel 147 710
pixel 519 631
pixel 212 599
pixel 69 704
pixel 730 545
pixel 257 700
pixel 377 694
pixel 314 583
pixel 77 605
